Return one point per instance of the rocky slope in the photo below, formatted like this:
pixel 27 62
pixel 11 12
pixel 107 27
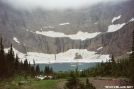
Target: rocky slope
pixel 23 24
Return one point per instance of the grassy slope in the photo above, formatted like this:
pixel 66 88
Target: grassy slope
pixel 33 83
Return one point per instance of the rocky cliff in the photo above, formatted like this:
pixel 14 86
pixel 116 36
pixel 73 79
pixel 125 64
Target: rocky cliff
pixel 23 24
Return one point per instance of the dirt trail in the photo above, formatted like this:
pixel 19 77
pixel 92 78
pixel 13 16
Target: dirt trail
pixel 100 83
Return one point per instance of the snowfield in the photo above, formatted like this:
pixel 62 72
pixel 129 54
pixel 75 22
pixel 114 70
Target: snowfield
pixel 113 28
pixel 68 56
pixel 79 36
pixel 96 23
pixel 99 48
pixel 64 23
pixel 131 20
pixel 16 40
pixel 48 27
pixel 116 18
pixel 22 56
pixel 129 52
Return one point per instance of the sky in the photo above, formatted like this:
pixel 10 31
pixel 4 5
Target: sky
pixel 51 4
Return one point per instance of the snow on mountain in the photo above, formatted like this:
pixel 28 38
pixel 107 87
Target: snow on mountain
pixel 79 36
pixel 99 48
pixel 113 28
pixel 96 23
pixel 129 52
pixel 68 56
pixel 131 20
pixel 16 40
pixel 22 56
pixel 116 18
pixel 48 27
pixel 64 23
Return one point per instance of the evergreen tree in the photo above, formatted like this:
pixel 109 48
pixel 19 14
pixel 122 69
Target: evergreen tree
pixel 131 58
pixel 16 64
pixel 11 55
pixel 3 66
pixel 26 66
pixel 37 69
pixel 10 61
pixel 77 72
pixel 47 70
pixel 73 82
pixel 51 70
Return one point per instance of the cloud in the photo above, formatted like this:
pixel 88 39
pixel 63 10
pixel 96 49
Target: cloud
pixel 50 4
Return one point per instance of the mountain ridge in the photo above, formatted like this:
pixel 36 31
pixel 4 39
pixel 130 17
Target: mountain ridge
pixel 23 24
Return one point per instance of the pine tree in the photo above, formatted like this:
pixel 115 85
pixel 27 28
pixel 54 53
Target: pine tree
pixel 3 67
pixel 16 64
pixel 131 58
pixel 47 70
pixel 73 82
pixel 37 69
pixel 26 65
pixel 10 60
pixel 51 70
pixel 11 55
pixel 77 72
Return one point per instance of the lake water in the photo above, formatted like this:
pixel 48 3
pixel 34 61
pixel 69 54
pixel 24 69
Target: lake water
pixel 67 66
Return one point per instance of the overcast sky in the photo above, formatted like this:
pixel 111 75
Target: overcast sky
pixel 51 4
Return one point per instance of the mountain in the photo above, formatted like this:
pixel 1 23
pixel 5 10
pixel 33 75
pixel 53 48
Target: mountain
pixel 106 25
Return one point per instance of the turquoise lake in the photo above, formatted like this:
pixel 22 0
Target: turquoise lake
pixel 67 66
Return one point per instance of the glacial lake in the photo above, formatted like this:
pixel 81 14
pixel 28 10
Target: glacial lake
pixel 67 66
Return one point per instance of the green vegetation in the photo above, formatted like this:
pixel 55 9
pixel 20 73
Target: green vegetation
pixel 33 83
pixel 74 83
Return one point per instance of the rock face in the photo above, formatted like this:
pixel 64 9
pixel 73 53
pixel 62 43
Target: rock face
pixel 78 56
pixel 22 24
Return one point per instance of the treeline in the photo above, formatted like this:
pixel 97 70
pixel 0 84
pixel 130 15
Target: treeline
pixel 10 65
pixel 120 68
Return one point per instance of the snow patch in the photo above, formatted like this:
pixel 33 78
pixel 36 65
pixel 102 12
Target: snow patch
pixel 129 52
pixel 116 18
pixel 16 40
pixel 99 48
pixel 96 23
pixel 41 77
pixel 20 55
pixel 64 23
pixel 113 28
pixel 131 20
pixel 68 56
pixel 79 36
pixel 48 27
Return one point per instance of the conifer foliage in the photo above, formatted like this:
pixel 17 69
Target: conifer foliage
pixel 3 67
pixel 74 83
pixel 131 58
pixel 10 64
